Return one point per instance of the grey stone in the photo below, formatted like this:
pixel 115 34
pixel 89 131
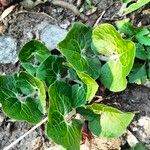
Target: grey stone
pixel 8 50
pixel 142 132
pixel 144 129
pixel 131 139
pixel 51 35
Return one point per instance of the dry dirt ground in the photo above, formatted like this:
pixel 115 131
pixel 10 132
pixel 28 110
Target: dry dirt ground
pixel 135 98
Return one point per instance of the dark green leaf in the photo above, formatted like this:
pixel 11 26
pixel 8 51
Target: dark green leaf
pixel 138 74
pixel 143 36
pixel 148 52
pixel 61 128
pixel 51 69
pixel 140 52
pixel 66 134
pixel 76 48
pixel 32 54
pixel 124 26
pixel 22 97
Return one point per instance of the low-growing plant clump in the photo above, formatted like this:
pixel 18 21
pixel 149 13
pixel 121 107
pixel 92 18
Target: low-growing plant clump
pixel 140 73
pixel 69 79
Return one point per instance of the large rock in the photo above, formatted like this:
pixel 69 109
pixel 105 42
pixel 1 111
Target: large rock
pixel 30 25
pixel 8 50
pixel 51 35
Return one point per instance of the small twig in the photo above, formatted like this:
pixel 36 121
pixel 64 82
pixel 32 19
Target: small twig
pixel 27 133
pixel 99 18
pixel 73 8
pixel 67 118
pixel 102 14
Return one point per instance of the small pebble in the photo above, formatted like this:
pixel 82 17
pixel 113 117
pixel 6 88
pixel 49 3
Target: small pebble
pixel 1 119
pixel 65 24
pixel 131 139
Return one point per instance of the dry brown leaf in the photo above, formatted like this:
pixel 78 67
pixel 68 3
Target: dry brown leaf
pixel 7 12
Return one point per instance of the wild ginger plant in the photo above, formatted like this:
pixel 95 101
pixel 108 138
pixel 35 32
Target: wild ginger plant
pixel 68 79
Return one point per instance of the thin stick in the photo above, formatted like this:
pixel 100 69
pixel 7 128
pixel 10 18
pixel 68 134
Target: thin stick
pixel 99 18
pixel 27 133
pixel 73 8
pixel 102 14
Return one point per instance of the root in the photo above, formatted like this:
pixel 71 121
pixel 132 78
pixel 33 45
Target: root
pixel 71 7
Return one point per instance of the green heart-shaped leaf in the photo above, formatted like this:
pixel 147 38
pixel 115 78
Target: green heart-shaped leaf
pixel 61 128
pixel 105 121
pixel 22 97
pixel 32 54
pixel 51 69
pixel 120 54
pixel 76 48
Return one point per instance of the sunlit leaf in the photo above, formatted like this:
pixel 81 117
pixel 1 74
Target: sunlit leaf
pixel 120 53
pixel 105 121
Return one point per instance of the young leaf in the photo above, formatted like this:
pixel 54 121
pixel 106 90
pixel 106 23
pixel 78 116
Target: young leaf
pixel 138 74
pixel 22 97
pixel 51 69
pixel 124 26
pixel 32 54
pixel 61 128
pixel 108 42
pixel 76 47
pixel 140 52
pixel 105 121
pixel 143 36
pixel 135 6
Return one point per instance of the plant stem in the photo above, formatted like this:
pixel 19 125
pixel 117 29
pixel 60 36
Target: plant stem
pixel 27 133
